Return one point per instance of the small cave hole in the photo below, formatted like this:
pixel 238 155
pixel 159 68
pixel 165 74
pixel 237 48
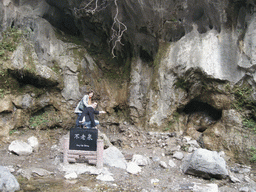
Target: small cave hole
pixel 12 24
pixel 145 56
pixel 195 106
pixel 116 109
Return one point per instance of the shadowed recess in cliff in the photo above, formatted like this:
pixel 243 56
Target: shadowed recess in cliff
pixel 30 78
pixel 195 106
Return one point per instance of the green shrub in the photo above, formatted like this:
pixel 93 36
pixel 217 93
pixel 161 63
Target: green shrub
pixel 253 154
pixel 11 38
pixel 38 120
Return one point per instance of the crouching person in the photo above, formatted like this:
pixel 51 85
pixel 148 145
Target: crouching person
pixel 87 117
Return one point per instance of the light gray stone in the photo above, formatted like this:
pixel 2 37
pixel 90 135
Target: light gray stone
pixel 20 148
pixel 112 156
pixel 140 160
pixel 198 187
pixel 171 163
pixel 8 183
pixel 33 142
pixel 163 164
pixel 72 175
pixel 206 188
pixel 40 172
pixel 80 168
pixel 133 168
pixel 244 189
pixel 104 177
pixel 206 164
pixel 178 155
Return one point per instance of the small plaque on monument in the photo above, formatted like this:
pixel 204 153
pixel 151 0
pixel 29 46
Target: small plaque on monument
pixel 83 139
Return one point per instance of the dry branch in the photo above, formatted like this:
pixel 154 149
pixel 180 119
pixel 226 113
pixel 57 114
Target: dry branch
pixel 118 28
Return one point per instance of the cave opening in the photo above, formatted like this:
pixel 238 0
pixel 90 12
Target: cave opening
pixel 195 106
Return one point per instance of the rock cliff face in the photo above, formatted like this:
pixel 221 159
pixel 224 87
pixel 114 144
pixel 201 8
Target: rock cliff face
pixel 179 66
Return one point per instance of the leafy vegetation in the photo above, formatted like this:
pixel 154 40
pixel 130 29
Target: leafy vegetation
pixel 12 131
pixel 242 95
pixel 253 155
pixel 172 122
pixel 243 102
pixel 10 39
pixel 9 42
pixel 181 83
pixel 250 124
pixel 39 120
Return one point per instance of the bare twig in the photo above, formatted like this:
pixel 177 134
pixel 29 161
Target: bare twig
pixel 117 34
pixel 91 7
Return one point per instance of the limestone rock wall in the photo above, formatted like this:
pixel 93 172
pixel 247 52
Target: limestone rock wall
pixel 183 66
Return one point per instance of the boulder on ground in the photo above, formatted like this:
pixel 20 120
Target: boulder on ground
pixel 33 142
pixel 7 181
pixel 206 164
pixel 133 168
pixel 20 148
pixel 113 157
pixel 140 160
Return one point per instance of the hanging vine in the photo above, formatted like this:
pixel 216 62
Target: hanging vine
pixel 118 28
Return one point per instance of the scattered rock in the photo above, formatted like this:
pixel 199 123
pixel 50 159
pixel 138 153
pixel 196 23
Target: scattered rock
pixel 178 155
pixel 244 189
pixel 171 163
pixel 33 171
pixel 193 143
pixel 206 164
pixel 154 181
pixel 10 168
pixel 233 178
pixel 140 160
pixel 20 148
pixel 7 181
pixel 155 159
pixel 25 173
pixel 133 168
pixel 33 142
pixel 72 175
pixel 163 164
pixel 104 177
pixel 199 187
pixel 80 168
pixel 113 157
pixel 40 172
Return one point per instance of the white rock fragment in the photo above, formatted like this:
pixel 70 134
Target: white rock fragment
pixel 163 164
pixel 33 142
pixel 171 163
pixel 133 168
pixel 112 156
pixel 154 181
pixel 178 155
pixel 140 160
pixel 20 148
pixel 206 187
pixel 72 175
pixel 104 177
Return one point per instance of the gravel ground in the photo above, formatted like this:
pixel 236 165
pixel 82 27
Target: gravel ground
pixel 153 177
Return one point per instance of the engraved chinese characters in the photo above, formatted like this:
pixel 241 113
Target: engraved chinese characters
pixel 83 139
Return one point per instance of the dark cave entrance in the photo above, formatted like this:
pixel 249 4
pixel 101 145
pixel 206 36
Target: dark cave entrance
pixel 195 106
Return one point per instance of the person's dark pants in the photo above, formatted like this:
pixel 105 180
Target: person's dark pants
pixel 88 124
pixel 77 120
